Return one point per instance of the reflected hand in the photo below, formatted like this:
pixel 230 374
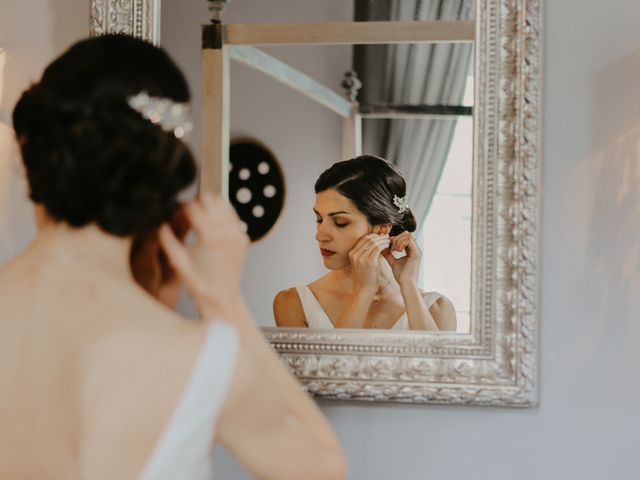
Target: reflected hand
pixel 211 268
pixel 405 269
pixel 365 258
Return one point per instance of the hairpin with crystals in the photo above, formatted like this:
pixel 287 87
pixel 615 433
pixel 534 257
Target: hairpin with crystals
pixel 401 203
pixel 167 114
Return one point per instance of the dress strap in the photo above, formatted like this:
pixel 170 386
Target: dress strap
pixel 313 311
pixel 430 298
pixel 187 438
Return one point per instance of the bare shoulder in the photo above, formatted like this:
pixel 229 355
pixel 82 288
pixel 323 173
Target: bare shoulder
pixel 287 309
pixel 443 313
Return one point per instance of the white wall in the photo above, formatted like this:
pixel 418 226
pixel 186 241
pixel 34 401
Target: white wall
pixel 587 424
pixel 32 32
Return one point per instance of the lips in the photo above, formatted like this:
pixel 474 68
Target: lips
pixel 326 253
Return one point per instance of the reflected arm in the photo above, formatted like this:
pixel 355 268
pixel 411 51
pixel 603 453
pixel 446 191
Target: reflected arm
pixel 417 312
pixel 440 316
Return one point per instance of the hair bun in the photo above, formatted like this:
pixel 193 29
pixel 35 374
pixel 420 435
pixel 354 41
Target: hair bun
pixel 89 157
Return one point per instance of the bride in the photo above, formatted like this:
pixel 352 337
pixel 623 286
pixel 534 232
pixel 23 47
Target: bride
pixel 363 219
pixel 98 378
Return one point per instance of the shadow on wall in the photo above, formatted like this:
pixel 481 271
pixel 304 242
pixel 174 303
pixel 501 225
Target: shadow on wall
pixel 604 193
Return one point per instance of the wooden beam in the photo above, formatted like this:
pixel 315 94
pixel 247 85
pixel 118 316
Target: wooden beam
pixel 214 173
pixel 351 137
pixel 350 33
pixel 283 73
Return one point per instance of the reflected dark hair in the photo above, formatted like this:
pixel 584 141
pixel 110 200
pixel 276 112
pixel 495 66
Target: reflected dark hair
pixel 370 183
pixel 89 157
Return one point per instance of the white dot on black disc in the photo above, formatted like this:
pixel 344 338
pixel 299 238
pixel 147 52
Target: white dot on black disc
pixel 269 191
pixel 243 195
pixel 263 168
pixel 258 211
pixel 244 174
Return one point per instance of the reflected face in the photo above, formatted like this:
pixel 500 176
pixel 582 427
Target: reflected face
pixel 339 227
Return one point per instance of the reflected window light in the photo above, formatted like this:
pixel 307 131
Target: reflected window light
pixel 446 231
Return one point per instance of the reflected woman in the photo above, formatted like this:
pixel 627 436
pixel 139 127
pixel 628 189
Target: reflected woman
pixel 363 220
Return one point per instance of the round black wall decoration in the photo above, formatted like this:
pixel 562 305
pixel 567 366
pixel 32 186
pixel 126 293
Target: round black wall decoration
pixel 256 186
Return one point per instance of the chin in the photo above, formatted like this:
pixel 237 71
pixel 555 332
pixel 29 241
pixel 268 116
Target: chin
pixel 334 263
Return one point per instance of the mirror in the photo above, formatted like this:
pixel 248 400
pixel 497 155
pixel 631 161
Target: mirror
pixel 306 137
pixel 490 187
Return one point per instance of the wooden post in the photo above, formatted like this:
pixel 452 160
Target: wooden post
pixel 352 125
pixel 214 172
pixel 351 136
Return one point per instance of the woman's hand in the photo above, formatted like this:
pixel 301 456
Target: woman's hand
pixel 405 269
pixel 210 269
pixel 365 258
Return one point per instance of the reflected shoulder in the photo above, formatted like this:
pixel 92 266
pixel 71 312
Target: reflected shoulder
pixel 287 309
pixel 443 313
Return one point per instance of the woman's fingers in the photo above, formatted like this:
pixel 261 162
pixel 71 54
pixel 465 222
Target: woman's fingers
pixel 401 242
pixel 222 216
pixel 199 218
pixel 412 247
pixel 388 256
pixel 217 208
pixel 375 242
pixel 368 250
pixel 174 249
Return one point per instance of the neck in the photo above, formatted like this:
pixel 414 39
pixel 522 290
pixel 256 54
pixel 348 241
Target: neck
pixel 346 278
pixel 87 247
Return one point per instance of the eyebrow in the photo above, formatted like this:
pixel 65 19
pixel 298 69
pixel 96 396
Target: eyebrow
pixel 332 213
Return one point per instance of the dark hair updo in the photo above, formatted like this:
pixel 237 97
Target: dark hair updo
pixel 370 183
pixel 89 157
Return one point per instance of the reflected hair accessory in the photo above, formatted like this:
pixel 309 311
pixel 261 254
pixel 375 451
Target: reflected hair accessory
pixel 401 203
pixel 167 114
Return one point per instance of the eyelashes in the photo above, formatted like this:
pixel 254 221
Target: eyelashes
pixel 339 225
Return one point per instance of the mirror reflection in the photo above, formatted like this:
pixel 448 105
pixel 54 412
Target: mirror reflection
pixel 364 232
pixel 416 105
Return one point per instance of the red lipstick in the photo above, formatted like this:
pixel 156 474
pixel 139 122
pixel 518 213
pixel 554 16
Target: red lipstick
pixel 326 253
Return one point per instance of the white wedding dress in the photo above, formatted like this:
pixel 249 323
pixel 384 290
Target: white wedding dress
pixel 318 318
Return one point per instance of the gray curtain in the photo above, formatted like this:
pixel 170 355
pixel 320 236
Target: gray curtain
pixel 413 74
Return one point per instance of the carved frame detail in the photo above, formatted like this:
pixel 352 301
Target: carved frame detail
pixel 496 364
pixel 140 18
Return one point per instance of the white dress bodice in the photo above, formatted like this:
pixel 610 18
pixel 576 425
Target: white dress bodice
pixel 318 318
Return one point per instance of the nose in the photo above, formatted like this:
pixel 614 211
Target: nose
pixel 322 235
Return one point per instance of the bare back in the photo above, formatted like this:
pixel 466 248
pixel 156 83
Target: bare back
pixel 83 356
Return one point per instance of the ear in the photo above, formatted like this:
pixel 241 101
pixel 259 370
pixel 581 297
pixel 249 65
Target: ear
pixel 382 229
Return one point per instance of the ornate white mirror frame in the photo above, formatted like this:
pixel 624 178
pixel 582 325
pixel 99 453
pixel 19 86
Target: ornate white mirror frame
pixel 496 363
